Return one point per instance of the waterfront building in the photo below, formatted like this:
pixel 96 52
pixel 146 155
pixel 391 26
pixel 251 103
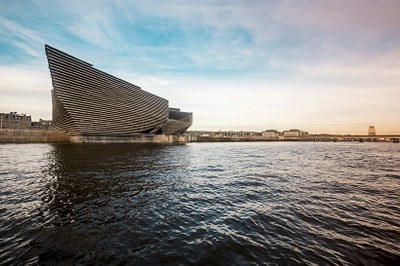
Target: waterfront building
pixel 234 134
pixel 270 133
pixel 291 133
pixel 294 133
pixel 15 120
pixel 42 124
pixel 89 102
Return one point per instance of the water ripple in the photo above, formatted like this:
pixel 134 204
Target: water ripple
pixel 210 203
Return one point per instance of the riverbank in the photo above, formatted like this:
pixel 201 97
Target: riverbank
pixel 312 138
pixel 55 136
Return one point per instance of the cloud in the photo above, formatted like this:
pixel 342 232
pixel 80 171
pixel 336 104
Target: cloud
pixel 28 49
pixel 366 17
pixel 236 64
pixel 96 27
pixel 16 29
pixel 288 31
pixel 21 36
pixel 26 89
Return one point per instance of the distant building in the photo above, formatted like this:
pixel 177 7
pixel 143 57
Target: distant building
pixel 291 133
pixel 227 134
pixel 42 124
pixel 270 133
pixel 15 120
pixel 295 133
pixel 371 131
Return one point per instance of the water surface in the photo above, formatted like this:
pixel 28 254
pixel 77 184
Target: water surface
pixel 268 203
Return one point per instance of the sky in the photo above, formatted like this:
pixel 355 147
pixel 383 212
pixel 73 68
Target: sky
pixel 319 66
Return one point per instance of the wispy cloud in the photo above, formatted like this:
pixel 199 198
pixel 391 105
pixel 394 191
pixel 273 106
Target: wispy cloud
pixel 21 37
pixel 15 28
pixel 26 89
pixel 97 26
pixel 236 64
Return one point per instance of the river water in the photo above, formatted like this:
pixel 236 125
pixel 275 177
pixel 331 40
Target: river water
pixel 271 203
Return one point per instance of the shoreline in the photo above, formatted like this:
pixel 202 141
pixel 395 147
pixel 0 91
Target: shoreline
pixel 55 136
pixel 310 138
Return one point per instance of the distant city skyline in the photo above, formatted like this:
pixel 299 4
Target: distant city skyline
pixel 320 66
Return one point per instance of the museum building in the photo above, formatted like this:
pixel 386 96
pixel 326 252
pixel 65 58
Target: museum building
pixel 89 102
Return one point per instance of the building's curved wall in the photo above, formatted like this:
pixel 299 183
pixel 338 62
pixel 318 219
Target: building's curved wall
pixel 87 101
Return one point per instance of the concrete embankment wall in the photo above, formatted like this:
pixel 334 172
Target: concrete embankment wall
pixel 142 138
pixel 52 136
pixel 32 136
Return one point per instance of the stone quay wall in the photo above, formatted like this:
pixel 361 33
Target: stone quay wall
pixel 53 136
pixel 140 138
pixel 32 136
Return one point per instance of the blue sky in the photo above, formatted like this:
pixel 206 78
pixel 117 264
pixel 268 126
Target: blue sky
pixel 321 66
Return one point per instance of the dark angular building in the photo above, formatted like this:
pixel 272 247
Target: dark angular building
pixel 90 102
